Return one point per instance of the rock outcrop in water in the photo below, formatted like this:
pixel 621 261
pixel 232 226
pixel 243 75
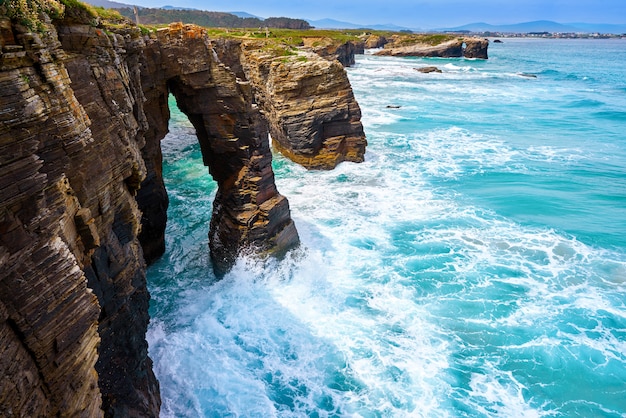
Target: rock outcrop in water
pixel 83 109
pixel 308 102
pixel 468 47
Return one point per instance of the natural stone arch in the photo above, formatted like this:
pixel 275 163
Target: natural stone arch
pixel 248 211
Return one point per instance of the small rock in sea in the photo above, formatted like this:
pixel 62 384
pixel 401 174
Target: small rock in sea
pixel 429 70
pixel 497 41
pixel 393 107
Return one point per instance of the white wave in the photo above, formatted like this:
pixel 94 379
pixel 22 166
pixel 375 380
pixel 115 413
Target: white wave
pixel 406 298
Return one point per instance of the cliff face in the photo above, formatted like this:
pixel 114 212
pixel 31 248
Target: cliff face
pixel 73 296
pixel 82 112
pixel 248 211
pixel 307 101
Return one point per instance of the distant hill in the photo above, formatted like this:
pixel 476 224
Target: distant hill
pixel 255 21
pixel 540 26
pixel 333 24
pixel 600 27
pixel 108 4
pixel 177 8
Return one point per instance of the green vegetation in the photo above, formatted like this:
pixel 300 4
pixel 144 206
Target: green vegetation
pixel 286 36
pixel 110 15
pixel 434 39
pixel 144 30
pixel 79 12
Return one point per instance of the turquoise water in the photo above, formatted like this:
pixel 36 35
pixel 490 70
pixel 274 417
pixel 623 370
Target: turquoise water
pixel 473 266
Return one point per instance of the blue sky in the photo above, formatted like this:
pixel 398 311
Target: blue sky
pixel 419 13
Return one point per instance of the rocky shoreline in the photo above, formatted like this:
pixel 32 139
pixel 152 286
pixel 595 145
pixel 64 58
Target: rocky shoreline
pixel 83 205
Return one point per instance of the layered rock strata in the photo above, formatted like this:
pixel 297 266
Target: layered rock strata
pixel 82 112
pixel 331 49
pixel 307 101
pixel 460 47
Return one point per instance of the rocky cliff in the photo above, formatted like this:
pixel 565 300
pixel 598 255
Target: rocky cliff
pixel 307 101
pixel 406 46
pixel 83 107
pixel 334 50
pixel 248 211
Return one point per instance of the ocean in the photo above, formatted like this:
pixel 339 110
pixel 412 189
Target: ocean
pixel 473 266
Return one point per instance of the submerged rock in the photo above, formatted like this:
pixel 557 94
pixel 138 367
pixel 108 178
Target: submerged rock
pixel 429 69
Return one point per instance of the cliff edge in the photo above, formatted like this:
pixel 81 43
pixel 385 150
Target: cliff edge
pixel 83 108
pixel 306 99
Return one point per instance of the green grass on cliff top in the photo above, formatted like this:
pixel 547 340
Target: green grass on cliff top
pixel 28 13
pixel 295 37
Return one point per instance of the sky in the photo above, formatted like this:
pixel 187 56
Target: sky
pixel 424 14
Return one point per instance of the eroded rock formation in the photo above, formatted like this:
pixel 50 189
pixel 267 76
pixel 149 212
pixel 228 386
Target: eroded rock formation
pixel 374 41
pixel 334 50
pixel 467 47
pixel 248 211
pixel 82 112
pixel 307 101
pixel 73 297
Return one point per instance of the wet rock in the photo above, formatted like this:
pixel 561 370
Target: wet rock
pixel 83 110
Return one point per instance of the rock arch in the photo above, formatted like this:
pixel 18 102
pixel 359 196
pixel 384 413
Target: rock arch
pixel 248 211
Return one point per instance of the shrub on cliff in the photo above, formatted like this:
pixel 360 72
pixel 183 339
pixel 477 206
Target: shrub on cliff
pixel 30 13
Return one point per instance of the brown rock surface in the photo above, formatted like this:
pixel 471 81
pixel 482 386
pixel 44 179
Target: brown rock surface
pixel 428 69
pixel 467 47
pixel 476 48
pixel 248 211
pixel 82 114
pixel 73 299
pixel 375 41
pixel 334 50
